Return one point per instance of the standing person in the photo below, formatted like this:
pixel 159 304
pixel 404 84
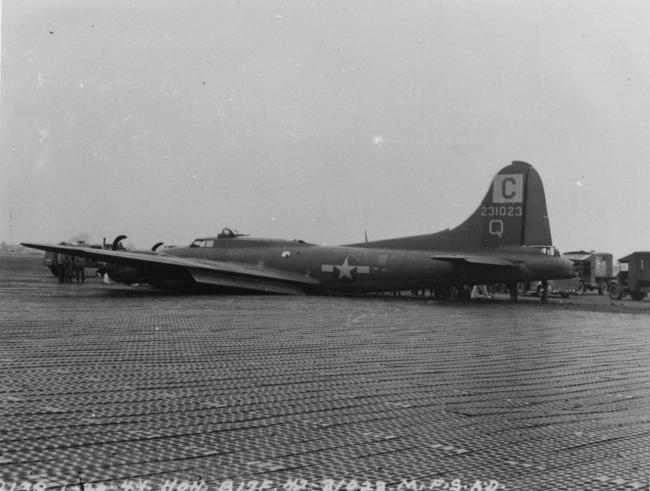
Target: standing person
pixel 68 266
pixel 60 268
pixel 80 272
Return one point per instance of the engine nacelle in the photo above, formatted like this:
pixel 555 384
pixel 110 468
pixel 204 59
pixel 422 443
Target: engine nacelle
pixel 124 274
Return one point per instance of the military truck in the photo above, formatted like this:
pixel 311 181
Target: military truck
pixel 594 270
pixel 633 277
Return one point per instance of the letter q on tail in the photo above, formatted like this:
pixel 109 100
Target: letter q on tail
pixel 508 188
pixel 495 228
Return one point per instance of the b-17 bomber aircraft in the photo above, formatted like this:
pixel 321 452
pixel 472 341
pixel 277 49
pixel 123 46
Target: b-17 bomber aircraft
pixel 506 240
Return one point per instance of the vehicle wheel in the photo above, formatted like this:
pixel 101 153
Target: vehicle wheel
pixel 637 295
pixel 564 294
pixel 602 287
pixel 615 291
pixel 581 287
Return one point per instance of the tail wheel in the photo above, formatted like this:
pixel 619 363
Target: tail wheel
pixel 581 287
pixel 615 291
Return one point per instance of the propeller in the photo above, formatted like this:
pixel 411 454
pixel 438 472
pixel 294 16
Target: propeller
pixel 116 243
pixel 156 246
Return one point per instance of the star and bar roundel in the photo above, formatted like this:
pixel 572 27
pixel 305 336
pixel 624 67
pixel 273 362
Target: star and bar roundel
pixel 345 271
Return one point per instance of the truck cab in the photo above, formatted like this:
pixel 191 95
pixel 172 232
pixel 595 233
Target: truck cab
pixel 633 278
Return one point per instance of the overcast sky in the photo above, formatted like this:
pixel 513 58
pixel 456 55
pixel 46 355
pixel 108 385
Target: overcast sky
pixel 167 120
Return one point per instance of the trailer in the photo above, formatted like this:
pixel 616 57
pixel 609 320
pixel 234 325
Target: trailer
pixel 563 288
pixel 633 277
pixel 594 269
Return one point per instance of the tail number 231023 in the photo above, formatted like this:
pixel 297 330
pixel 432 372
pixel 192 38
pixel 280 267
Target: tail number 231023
pixel 501 211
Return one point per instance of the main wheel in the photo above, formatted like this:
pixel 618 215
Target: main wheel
pixel 615 290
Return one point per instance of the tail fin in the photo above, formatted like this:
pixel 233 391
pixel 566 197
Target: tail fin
pixel 513 213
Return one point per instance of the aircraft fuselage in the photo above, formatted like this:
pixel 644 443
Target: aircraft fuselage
pixel 357 269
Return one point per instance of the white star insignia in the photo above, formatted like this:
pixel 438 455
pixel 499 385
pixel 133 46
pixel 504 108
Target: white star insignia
pixel 345 270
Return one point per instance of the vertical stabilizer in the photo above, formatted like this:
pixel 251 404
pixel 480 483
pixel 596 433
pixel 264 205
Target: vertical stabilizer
pixel 512 213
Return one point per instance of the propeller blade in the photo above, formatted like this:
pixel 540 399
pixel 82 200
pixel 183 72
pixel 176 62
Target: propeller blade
pixel 116 243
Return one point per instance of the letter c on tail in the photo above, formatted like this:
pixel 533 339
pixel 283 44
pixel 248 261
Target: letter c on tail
pixel 508 188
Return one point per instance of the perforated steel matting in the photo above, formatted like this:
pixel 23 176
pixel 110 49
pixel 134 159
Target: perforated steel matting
pixel 106 385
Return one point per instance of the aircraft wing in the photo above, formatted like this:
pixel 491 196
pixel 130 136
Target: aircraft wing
pixel 478 260
pixel 203 271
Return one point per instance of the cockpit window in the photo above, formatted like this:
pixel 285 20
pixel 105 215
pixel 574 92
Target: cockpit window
pixel 549 251
pixel 203 243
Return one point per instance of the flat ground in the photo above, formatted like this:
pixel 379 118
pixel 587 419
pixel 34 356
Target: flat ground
pixel 107 384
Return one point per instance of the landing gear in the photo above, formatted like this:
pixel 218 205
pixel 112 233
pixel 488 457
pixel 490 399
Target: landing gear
pixel 514 291
pixel 544 292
